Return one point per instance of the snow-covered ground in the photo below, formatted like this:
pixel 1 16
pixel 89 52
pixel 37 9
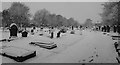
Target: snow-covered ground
pixel 90 47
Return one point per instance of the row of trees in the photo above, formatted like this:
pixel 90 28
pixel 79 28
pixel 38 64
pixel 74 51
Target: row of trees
pixel 19 14
pixel 110 13
pixel 45 18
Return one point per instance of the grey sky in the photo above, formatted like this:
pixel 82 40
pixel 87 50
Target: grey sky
pixel 78 10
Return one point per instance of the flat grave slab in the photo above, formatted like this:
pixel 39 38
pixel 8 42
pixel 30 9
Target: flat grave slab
pixel 46 45
pixel 17 54
pixel 41 34
pixel 6 40
pixel 115 37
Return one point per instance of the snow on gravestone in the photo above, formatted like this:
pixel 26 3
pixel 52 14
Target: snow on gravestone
pixel 44 44
pixel 17 54
pixel 13 30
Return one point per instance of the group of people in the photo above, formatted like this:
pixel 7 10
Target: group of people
pixel 105 28
pixel 108 28
pixel 116 28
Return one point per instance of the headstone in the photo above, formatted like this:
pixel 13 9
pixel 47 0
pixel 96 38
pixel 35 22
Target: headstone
pixel 99 28
pixel 72 28
pixel 52 33
pixel 72 32
pixel 24 34
pixel 118 29
pixel 13 30
pixel 108 28
pixel 102 28
pixel 105 28
pixel 114 28
pixel 58 34
pixel 32 31
pixel 34 27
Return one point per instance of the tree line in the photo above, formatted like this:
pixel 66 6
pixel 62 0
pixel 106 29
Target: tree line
pixel 19 14
pixel 111 15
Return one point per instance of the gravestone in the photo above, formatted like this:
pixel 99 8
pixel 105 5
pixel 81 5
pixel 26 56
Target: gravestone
pixel 24 34
pixel 58 34
pixel 115 28
pixel 32 31
pixel 108 28
pixel 13 30
pixel 34 27
pixel 118 29
pixel 52 33
pixel 72 32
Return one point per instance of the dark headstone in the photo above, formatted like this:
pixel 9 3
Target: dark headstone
pixel 118 29
pixel 72 32
pixel 34 27
pixel 115 28
pixel 72 28
pixel 13 30
pixel 105 29
pixel 58 34
pixel 52 34
pixel 108 28
pixel 24 34
pixel 32 32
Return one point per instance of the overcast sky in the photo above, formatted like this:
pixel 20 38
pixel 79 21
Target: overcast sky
pixel 80 11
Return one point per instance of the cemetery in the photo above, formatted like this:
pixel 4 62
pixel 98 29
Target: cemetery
pixel 60 34
pixel 37 48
